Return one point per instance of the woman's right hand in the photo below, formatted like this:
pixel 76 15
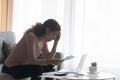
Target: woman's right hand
pixel 57 36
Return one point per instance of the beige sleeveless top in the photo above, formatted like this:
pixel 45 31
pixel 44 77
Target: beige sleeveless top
pixel 28 48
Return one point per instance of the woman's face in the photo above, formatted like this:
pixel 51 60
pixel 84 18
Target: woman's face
pixel 51 35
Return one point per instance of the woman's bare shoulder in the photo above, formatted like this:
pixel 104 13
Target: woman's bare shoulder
pixel 29 35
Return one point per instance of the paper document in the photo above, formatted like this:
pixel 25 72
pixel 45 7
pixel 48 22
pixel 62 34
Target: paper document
pixel 68 57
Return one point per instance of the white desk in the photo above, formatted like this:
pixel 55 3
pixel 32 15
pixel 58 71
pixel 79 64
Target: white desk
pixel 99 76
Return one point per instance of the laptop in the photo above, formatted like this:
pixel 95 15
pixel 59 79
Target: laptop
pixel 63 72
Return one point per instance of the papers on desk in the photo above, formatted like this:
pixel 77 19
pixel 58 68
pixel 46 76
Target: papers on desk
pixel 68 57
pixel 60 75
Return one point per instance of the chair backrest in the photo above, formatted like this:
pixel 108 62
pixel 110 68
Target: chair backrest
pixel 60 56
pixel 57 55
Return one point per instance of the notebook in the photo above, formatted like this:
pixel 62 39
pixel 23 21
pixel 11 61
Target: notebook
pixel 78 69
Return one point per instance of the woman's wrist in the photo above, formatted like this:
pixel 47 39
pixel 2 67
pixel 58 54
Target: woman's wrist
pixel 56 41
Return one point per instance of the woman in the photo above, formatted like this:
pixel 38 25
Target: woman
pixel 23 60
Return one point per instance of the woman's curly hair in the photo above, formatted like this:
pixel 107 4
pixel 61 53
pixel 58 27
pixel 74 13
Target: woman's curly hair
pixel 40 29
pixel 33 27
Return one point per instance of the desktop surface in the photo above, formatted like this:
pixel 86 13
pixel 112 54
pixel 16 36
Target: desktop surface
pixel 72 76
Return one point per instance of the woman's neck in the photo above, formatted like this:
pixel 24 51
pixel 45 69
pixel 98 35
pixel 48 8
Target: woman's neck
pixel 41 38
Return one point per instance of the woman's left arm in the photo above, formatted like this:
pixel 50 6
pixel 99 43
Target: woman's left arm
pixel 51 54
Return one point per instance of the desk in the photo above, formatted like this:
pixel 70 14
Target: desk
pixel 86 76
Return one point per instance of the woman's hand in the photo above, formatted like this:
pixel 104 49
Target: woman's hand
pixel 57 36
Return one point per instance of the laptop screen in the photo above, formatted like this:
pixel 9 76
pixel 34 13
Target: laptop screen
pixel 80 65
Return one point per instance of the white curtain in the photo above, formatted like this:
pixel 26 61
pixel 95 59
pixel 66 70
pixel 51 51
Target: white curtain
pixel 88 26
pixel 27 12
pixel 94 28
